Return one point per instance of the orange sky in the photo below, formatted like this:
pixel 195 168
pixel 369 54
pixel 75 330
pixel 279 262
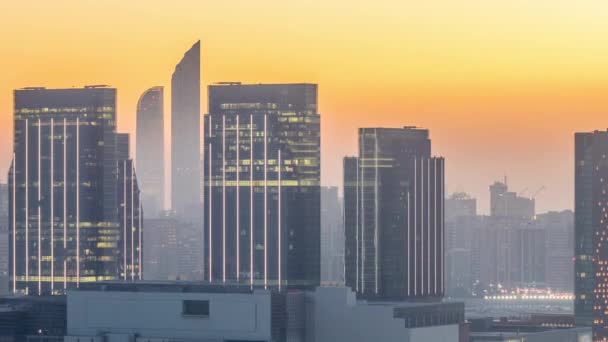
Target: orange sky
pixel 502 85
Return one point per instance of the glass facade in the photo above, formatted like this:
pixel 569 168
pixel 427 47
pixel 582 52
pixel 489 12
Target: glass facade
pixel 150 147
pixel 185 134
pixel 591 232
pixel 64 198
pixel 393 212
pixel 262 185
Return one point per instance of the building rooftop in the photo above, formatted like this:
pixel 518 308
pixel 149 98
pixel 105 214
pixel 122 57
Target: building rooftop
pixel 169 286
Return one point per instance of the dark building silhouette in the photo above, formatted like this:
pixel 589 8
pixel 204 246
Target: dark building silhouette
pixel 67 192
pixel 262 185
pixel 185 134
pixel 590 231
pixel 29 318
pixel 151 150
pixel 4 209
pixel 394 224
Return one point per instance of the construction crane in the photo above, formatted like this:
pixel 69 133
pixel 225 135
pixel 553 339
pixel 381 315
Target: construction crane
pixel 541 189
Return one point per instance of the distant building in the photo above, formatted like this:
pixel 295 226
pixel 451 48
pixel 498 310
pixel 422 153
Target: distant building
pixel 150 147
pixel 559 247
pixel 173 249
pixel 505 203
pixel 460 211
pixel 590 229
pixel 182 311
pixel 394 225
pixel 460 204
pixel 511 248
pixel 74 205
pixel 332 237
pixel 506 253
pixel 185 134
pixel 262 185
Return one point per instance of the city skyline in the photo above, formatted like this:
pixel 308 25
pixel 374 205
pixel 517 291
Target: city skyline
pixel 425 70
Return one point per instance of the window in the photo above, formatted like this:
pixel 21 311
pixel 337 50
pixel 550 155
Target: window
pixel 195 308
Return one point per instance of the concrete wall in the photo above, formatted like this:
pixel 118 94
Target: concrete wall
pixel 333 314
pixel 159 315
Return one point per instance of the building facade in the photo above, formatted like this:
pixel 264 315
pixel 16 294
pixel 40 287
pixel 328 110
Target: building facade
pixel 150 145
pixel 262 184
pixel 505 203
pixel 332 237
pixel 173 249
pixel 394 223
pixel 185 133
pixel 4 248
pixel 335 314
pixel 66 197
pixel 590 229
pixel 559 237
pixel 183 311
pixel 460 204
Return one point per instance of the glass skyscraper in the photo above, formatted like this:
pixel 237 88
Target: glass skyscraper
pixel 591 232
pixel 262 185
pixel 66 191
pixel 393 214
pixel 150 147
pixel 185 133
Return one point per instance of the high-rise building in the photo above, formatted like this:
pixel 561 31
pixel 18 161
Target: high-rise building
pixel 173 249
pixel 4 248
pixel 559 237
pixel 460 204
pixel 505 203
pixel 150 147
pixel 332 237
pixel 3 201
pixel 460 211
pixel 590 231
pixel 69 187
pixel 262 185
pixel 394 224
pixel 185 133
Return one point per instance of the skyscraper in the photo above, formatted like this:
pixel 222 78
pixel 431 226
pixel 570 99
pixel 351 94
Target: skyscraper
pixel 394 223
pixel 151 150
pixel 590 231
pixel 508 204
pixel 185 133
pixel 262 185
pixel 332 237
pixel 4 248
pixel 67 193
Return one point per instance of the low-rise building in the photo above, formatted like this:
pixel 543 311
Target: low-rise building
pixel 188 311
pixel 538 328
pixel 334 314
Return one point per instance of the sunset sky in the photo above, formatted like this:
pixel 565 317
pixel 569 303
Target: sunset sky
pixel 502 85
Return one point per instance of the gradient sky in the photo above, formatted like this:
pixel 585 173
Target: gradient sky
pixel 502 85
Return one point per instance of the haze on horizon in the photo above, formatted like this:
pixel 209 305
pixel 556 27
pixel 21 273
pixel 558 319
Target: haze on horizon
pixel 502 86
